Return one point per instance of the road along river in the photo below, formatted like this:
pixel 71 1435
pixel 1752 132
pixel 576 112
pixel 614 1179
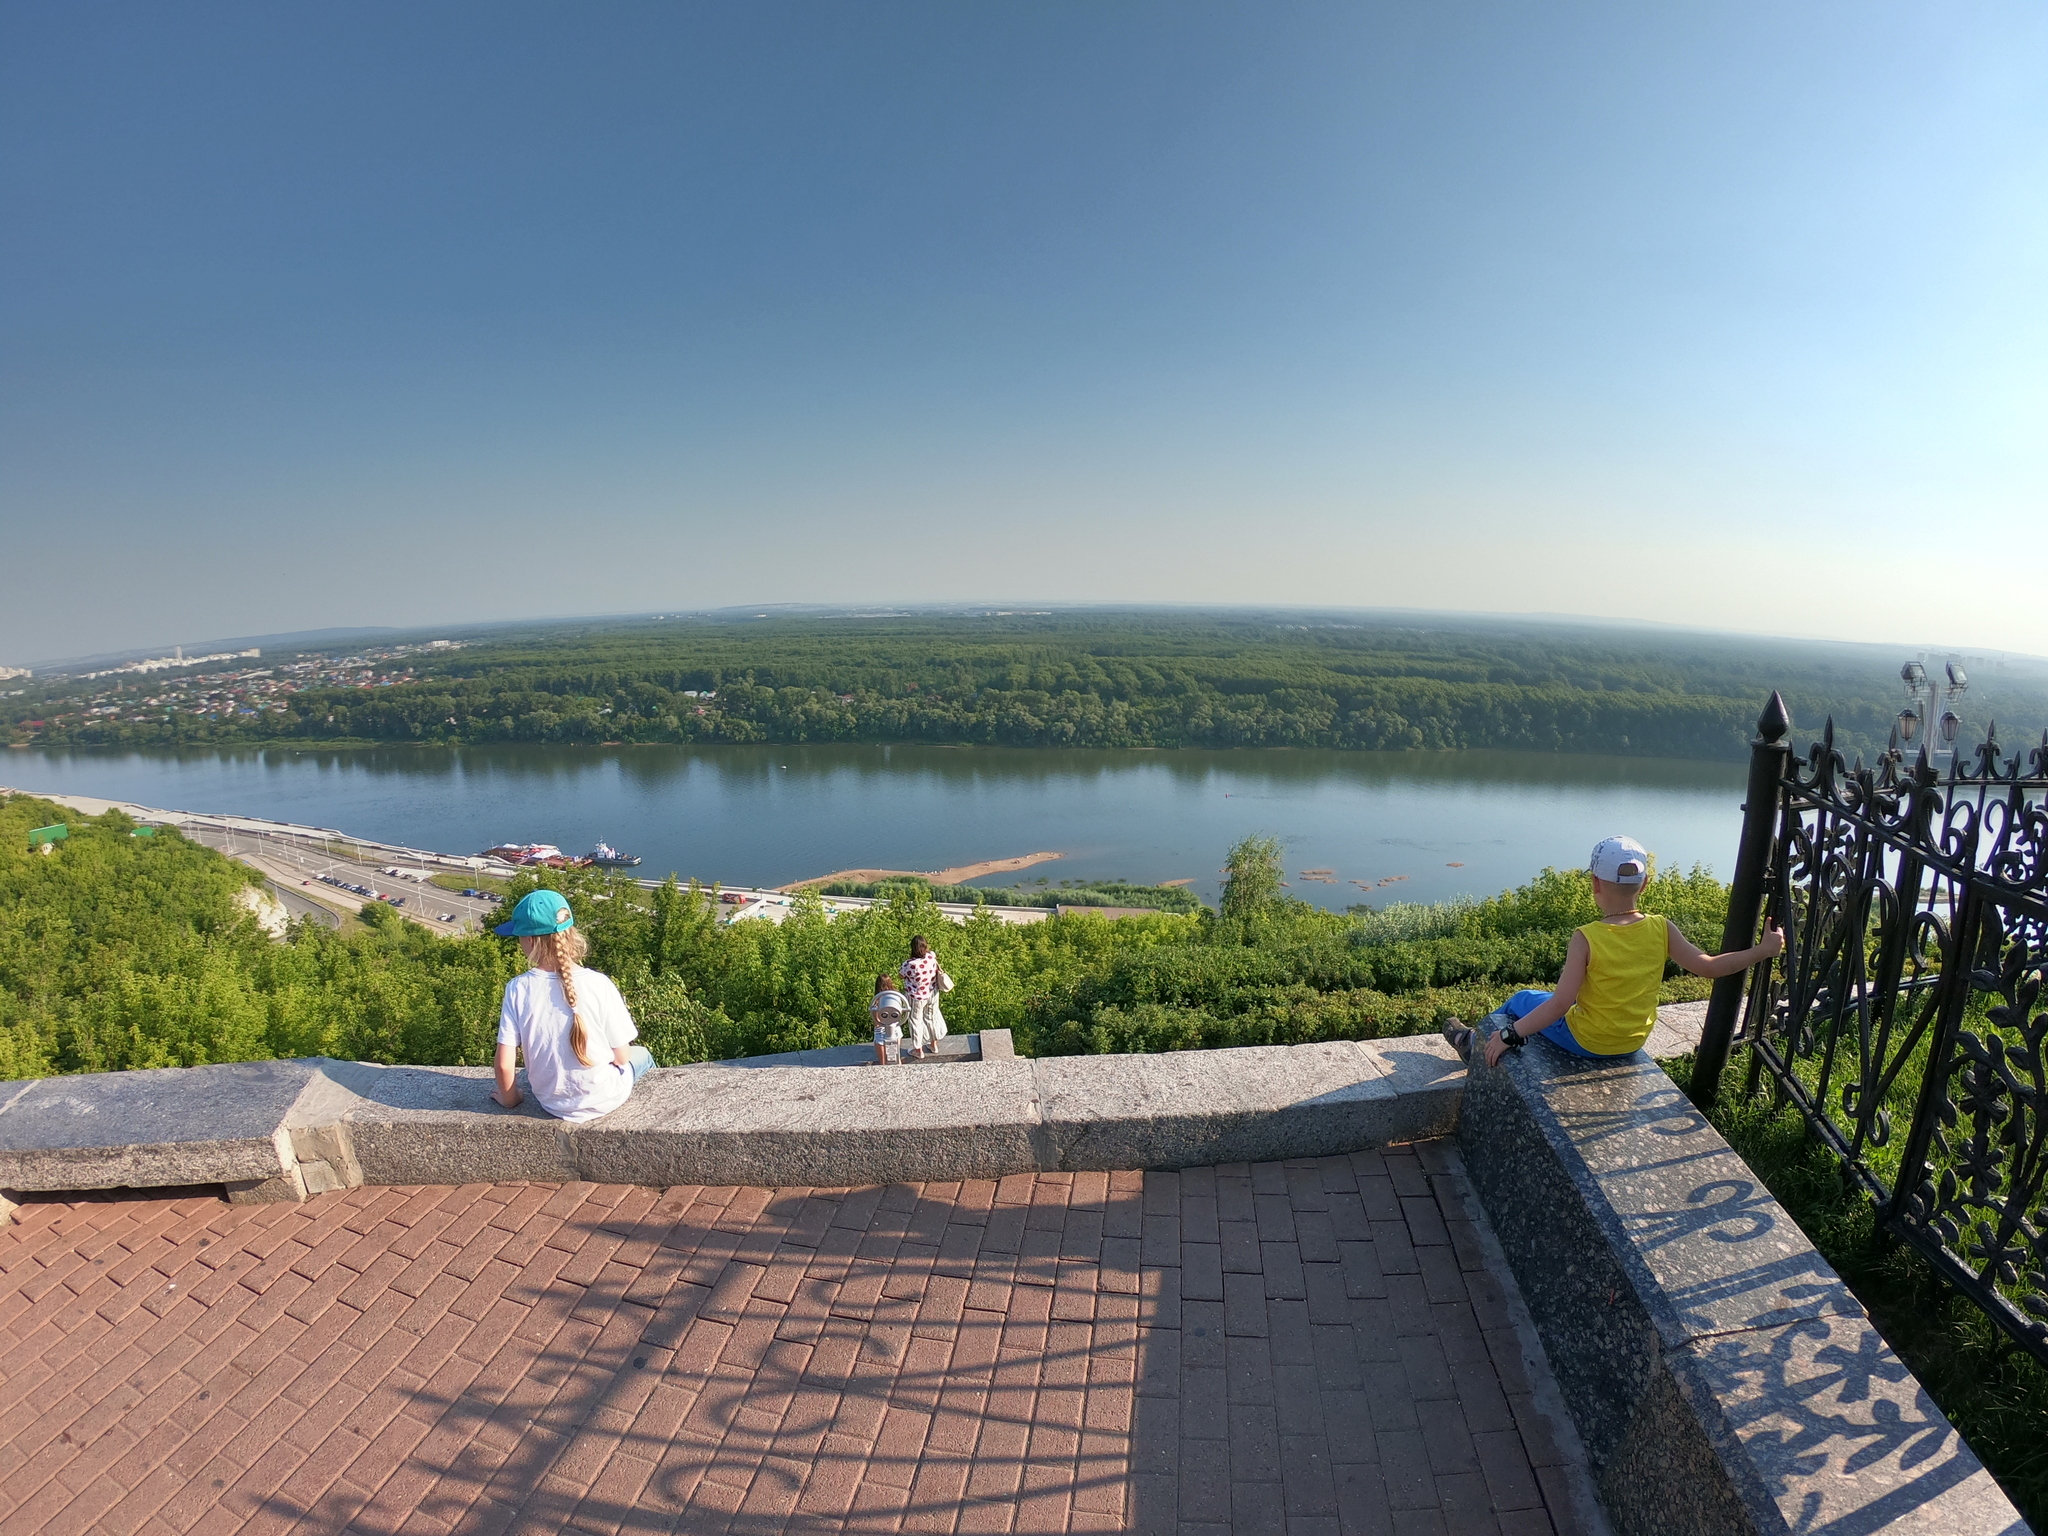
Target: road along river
pixel 1356 826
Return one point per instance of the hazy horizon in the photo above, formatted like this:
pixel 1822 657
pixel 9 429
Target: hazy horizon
pixel 1727 318
pixel 328 637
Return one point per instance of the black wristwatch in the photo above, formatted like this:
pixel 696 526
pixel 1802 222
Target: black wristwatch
pixel 1515 1040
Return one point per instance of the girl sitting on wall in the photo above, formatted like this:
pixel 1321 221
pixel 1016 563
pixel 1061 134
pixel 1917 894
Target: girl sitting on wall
pixel 571 1022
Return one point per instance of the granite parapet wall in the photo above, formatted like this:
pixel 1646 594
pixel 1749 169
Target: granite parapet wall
pixel 282 1129
pixel 1724 1379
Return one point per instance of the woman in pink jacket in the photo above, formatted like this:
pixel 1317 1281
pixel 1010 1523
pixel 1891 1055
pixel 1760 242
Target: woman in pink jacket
pixel 920 975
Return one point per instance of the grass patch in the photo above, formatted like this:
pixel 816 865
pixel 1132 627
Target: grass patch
pixel 470 883
pixel 1685 989
pixel 352 853
pixel 1994 1393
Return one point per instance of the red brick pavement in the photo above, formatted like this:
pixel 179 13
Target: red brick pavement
pixel 1312 1348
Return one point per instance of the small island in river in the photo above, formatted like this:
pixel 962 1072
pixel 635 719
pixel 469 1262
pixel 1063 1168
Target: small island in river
pixel 958 875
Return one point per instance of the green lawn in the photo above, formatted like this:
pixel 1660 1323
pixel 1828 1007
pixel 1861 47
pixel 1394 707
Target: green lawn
pixel 470 883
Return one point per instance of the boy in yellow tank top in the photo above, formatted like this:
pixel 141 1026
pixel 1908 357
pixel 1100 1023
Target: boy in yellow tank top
pixel 1606 999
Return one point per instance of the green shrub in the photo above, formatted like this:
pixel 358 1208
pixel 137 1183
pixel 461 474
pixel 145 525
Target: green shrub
pixel 1559 900
pixel 1403 921
pixel 119 952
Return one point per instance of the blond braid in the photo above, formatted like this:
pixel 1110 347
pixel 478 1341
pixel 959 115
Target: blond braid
pixel 567 952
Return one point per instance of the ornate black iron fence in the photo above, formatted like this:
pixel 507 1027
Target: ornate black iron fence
pixel 1905 1017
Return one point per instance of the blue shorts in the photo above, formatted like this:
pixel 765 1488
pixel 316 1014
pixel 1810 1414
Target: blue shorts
pixel 639 1061
pixel 1526 1002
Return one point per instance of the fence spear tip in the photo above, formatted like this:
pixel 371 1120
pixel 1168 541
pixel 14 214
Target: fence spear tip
pixel 1776 720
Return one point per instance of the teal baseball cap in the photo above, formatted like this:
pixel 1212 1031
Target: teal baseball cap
pixel 538 912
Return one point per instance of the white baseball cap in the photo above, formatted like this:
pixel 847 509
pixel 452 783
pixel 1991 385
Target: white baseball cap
pixel 1621 861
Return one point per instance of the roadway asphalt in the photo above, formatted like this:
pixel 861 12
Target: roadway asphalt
pixel 294 868
pixel 304 906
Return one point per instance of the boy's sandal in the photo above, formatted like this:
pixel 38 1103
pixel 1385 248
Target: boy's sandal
pixel 1459 1036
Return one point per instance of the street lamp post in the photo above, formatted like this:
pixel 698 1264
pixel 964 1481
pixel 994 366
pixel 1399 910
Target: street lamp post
pixel 1930 706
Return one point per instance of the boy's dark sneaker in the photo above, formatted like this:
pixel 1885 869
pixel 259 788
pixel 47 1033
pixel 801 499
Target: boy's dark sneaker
pixel 1459 1036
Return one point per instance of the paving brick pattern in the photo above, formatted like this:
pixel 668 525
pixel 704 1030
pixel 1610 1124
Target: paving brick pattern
pixel 1312 1348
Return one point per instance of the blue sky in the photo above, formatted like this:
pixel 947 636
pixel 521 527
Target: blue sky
pixel 1730 314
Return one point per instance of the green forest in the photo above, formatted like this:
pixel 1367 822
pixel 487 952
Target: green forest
pixel 1081 679
pixel 118 951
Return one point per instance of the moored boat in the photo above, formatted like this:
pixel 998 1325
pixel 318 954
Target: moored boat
pixel 529 853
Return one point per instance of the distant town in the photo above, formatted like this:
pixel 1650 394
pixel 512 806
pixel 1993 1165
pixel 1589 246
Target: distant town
pixel 176 659
pixel 135 696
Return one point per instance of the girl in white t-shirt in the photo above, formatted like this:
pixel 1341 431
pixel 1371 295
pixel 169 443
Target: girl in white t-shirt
pixel 570 1022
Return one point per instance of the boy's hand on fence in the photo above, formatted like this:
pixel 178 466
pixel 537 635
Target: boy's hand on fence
pixel 1496 1047
pixel 1774 942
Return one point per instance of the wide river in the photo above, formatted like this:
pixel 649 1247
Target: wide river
pixel 1389 826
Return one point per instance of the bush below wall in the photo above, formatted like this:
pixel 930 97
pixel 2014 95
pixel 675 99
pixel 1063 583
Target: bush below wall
pixel 120 952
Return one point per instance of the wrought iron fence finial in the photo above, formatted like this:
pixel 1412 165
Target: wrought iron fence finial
pixel 1776 720
pixel 1769 762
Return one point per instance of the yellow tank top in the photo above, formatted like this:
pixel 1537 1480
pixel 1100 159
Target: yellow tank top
pixel 1617 1004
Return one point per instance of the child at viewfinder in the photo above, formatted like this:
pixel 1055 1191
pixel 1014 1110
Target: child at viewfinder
pixel 887 1010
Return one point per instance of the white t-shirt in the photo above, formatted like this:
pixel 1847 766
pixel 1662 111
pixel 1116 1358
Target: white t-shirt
pixel 536 1019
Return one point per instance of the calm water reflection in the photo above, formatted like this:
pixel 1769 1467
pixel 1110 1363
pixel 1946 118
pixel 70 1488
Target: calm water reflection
pixel 1450 822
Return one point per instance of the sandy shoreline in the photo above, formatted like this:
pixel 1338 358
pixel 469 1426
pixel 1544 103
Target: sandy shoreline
pixel 958 875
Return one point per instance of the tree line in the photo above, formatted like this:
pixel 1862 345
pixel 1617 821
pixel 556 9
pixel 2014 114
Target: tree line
pixel 1085 680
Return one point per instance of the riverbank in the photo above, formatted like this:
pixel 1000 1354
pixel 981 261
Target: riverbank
pixel 1461 824
pixel 960 874
pixel 288 851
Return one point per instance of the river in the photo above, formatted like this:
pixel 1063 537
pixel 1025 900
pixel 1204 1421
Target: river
pixel 1393 826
